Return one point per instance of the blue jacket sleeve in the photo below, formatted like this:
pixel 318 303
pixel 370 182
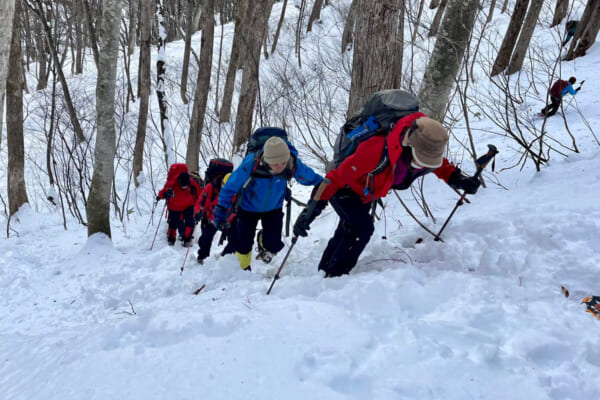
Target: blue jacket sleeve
pixel 305 175
pixel 236 181
pixel 569 89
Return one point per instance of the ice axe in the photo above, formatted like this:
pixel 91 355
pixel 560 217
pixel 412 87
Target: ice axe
pixel 481 163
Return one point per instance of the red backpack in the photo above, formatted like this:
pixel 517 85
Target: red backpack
pixel 174 172
pixel 558 87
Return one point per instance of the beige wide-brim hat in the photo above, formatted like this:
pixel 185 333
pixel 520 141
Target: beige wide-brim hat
pixel 428 142
pixel 276 151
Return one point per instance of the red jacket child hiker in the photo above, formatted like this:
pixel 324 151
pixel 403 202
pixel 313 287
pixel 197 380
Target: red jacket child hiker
pixel 181 194
pixel 415 146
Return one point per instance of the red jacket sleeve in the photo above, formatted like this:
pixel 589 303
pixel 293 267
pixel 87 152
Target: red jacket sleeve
pixel 445 170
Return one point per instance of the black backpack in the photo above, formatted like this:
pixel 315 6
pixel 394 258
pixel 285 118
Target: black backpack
pixel 261 135
pixel 377 117
pixel 217 167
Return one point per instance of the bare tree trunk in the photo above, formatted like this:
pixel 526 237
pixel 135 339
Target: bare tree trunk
pixel 278 30
pixel 435 24
pixel 91 31
pixel 161 72
pixel 348 33
pixel 79 41
pixel 234 63
pixel 315 14
pixel 133 26
pixel 202 85
pixel 261 11
pixel 17 194
pixel 491 12
pixel 510 38
pixel 7 12
pixel 378 37
pixel 418 20
pixel 504 6
pixel 448 53
pixel 560 11
pixel 98 205
pixel 587 30
pixel 147 7
pixel 187 50
pixel 42 57
pixel 518 56
pixel 434 4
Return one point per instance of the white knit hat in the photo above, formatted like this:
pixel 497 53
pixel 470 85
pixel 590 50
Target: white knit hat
pixel 276 151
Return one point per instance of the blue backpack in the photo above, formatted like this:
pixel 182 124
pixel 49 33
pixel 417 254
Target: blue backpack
pixel 261 135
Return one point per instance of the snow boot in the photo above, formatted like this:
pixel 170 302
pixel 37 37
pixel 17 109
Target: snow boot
pixel 263 254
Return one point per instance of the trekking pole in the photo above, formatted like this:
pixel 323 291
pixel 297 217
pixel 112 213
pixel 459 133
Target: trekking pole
pixel 481 163
pixel 158 226
pixel 294 240
pixel 309 210
pixel 572 97
pixel 188 250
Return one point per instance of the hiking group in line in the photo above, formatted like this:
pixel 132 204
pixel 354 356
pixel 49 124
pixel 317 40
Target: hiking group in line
pixel 386 146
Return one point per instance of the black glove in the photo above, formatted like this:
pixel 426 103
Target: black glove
pixel 158 198
pixel 578 89
pixel 306 217
pixel 169 194
pixel 459 181
pixel 197 217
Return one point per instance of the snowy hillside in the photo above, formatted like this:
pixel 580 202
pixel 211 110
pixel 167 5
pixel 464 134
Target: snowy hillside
pixel 477 316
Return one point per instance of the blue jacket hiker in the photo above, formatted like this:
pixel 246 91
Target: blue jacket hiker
pixel 255 191
pixel 558 90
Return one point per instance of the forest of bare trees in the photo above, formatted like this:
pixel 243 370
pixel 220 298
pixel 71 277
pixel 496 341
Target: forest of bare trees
pixel 100 146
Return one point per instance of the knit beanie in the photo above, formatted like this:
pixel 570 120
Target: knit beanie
pixel 276 151
pixel 572 80
pixel 428 141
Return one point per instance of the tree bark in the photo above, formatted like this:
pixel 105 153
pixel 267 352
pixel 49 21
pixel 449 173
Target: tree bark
pixel 279 25
pixel 348 33
pixel 510 38
pixel 98 205
pixel 161 72
pixel 187 50
pixel 448 53
pixel 435 24
pixel 79 39
pixel 7 12
pixel 377 44
pixel 259 17
pixel 91 31
pixel 315 14
pixel 587 30
pixel 560 11
pixel 202 85
pixel 17 194
pixel 234 63
pixel 518 56
pixel 147 8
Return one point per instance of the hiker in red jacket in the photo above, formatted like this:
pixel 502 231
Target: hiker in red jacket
pixel 181 195
pixel 204 212
pixel 415 147
pixel 557 91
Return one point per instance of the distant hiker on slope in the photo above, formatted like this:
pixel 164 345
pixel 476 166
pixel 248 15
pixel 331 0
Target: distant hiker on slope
pixel 260 184
pixel 415 147
pixel 181 194
pixel 570 29
pixel 558 90
pixel 216 175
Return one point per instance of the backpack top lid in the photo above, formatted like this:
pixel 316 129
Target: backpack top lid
pixel 217 167
pixel 174 172
pixel 387 106
pixel 377 117
pixel 261 135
